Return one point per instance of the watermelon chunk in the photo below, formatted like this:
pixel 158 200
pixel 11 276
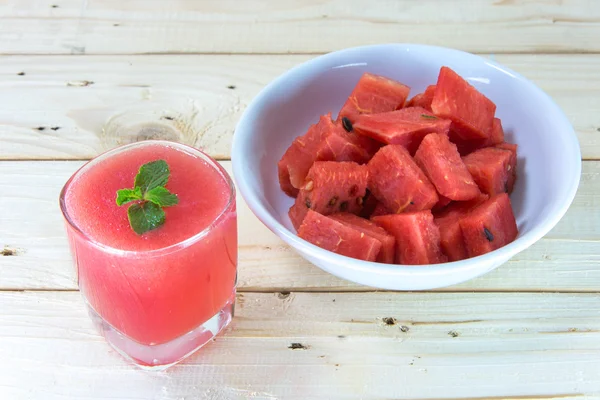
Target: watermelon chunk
pixel 388 243
pixel 397 181
pixel 380 209
pixel 298 211
pixel 472 113
pixel 452 241
pixel 339 146
pixel 461 208
pixel 490 169
pixel 374 94
pixel 423 99
pixel 465 147
pixel 468 146
pixel 417 237
pixel 440 161
pixel 489 226
pixel 512 164
pixel 299 157
pixel 331 187
pixel 339 238
pixel 323 141
pixel 497 134
pixel 406 127
pixel 441 204
pixel 369 145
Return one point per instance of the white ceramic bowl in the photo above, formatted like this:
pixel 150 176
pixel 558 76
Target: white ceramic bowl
pixel 549 158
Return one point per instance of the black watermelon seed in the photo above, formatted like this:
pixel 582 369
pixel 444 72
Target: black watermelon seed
pixel 347 124
pixel 343 206
pixel 353 190
pixel 488 234
pixel 333 201
pixel 307 202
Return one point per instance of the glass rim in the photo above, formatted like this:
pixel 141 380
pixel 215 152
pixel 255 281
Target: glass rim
pixel 161 250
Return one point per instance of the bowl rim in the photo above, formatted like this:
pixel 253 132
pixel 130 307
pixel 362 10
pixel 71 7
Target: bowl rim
pixel 399 270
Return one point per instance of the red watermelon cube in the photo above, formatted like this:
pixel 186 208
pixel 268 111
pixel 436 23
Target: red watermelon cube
pixel 299 157
pixel 472 113
pixel 461 208
pixel 417 237
pixel 490 168
pixel 380 209
pixel 339 146
pixel 468 146
pixel 440 161
pixel 397 181
pixel 423 99
pixel 324 141
pixel 369 145
pixel 406 127
pixel 388 243
pixel 452 241
pixel 331 187
pixel 512 164
pixel 465 147
pixel 297 213
pixel 441 204
pixel 489 226
pixel 497 135
pixel 374 94
pixel 508 146
pixel 339 238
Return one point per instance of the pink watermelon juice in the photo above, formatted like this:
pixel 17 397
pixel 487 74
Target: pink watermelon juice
pixel 150 289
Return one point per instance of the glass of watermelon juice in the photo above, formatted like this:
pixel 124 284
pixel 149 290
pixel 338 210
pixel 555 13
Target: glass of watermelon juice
pixel 160 295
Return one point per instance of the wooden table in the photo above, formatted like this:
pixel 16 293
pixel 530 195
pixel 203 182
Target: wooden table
pixel 77 77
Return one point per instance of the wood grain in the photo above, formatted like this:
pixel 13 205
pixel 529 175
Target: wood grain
pixel 77 107
pixel 291 26
pixel 352 346
pixel 79 77
pixel 31 227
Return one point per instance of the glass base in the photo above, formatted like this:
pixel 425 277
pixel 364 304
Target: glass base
pixel 162 356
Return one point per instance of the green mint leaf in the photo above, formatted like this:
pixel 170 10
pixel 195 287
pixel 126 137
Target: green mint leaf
pixel 161 196
pixel 125 196
pixel 151 175
pixel 145 217
pixel 151 195
pixel 428 116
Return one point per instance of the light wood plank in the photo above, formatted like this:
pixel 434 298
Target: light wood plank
pixel 78 107
pixel 436 346
pixel 568 259
pixel 262 26
pixel 86 105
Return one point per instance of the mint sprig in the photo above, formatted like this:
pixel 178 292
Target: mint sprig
pixel 150 196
